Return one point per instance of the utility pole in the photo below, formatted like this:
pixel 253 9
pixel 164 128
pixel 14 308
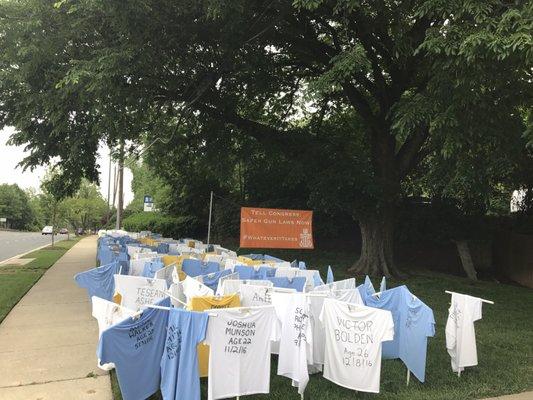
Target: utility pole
pixel 120 204
pixel 109 189
pixel 210 212
pixel 109 181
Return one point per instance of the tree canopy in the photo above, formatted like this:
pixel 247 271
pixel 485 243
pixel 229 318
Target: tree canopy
pixel 355 96
pixel 15 206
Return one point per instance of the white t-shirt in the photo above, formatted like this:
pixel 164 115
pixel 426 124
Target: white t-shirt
pixel 108 313
pixel 176 290
pixel 279 264
pixel 142 254
pixel 460 332
pixel 193 288
pixel 348 296
pixel 221 280
pixel 215 258
pixel 230 286
pixel 137 292
pixel 287 272
pixel 239 355
pixel 343 284
pixel 253 295
pixel 137 266
pixel 230 263
pixel 309 275
pixel 353 344
pixel 166 274
pixel 295 347
pixel 319 335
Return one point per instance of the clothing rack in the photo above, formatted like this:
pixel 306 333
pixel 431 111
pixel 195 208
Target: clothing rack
pixel 212 314
pixel 175 298
pixel 483 300
pixel 283 290
pixel 150 306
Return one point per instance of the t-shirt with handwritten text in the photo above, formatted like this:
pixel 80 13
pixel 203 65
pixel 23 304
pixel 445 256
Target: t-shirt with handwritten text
pixel 136 347
pixel 460 332
pixel 137 291
pixel 295 347
pixel 253 295
pixel 239 357
pixel 179 364
pixel 353 344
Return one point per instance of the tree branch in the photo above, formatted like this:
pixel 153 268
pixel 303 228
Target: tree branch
pixel 407 156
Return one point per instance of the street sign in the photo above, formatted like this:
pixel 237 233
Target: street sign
pixel 3 219
pixel 148 203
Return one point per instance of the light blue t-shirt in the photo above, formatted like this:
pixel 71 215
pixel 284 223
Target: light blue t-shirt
pixel 124 262
pixel 297 282
pixel 317 279
pixel 413 324
pixel 196 267
pixel 135 346
pixel 247 272
pixel 151 267
pixel 105 255
pixel 329 277
pixel 179 365
pixel 366 290
pixel 99 281
pixel 211 280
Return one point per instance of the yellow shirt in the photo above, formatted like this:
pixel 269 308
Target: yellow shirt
pixel 167 260
pixel 208 303
pixel 249 261
pixel 177 261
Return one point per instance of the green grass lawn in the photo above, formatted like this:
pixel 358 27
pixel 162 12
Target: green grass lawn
pixel 504 342
pixel 16 280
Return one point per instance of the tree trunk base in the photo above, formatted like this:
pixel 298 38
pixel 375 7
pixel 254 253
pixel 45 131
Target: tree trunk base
pixel 378 269
pixel 376 248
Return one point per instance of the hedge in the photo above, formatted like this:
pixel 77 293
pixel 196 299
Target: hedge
pixel 156 222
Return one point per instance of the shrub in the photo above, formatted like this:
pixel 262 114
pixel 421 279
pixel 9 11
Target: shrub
pixel 166 225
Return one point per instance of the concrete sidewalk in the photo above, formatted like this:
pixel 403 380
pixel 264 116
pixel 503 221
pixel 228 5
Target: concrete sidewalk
pixel 49 339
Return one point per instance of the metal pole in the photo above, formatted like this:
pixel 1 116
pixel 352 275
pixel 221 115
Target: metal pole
pixel 210 212
pixel 120 204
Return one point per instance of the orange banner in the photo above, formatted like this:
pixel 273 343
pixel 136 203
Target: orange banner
pixel 276 229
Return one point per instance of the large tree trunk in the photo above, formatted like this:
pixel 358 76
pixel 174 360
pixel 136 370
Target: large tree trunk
pixel 377 247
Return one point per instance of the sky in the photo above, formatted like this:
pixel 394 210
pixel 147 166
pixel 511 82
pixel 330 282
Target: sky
pixel 10 156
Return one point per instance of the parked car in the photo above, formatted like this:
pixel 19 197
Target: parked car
pixel 63 231
pixel 80 231
pixel 47 230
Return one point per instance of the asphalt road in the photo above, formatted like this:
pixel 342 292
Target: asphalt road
pixel 14 243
